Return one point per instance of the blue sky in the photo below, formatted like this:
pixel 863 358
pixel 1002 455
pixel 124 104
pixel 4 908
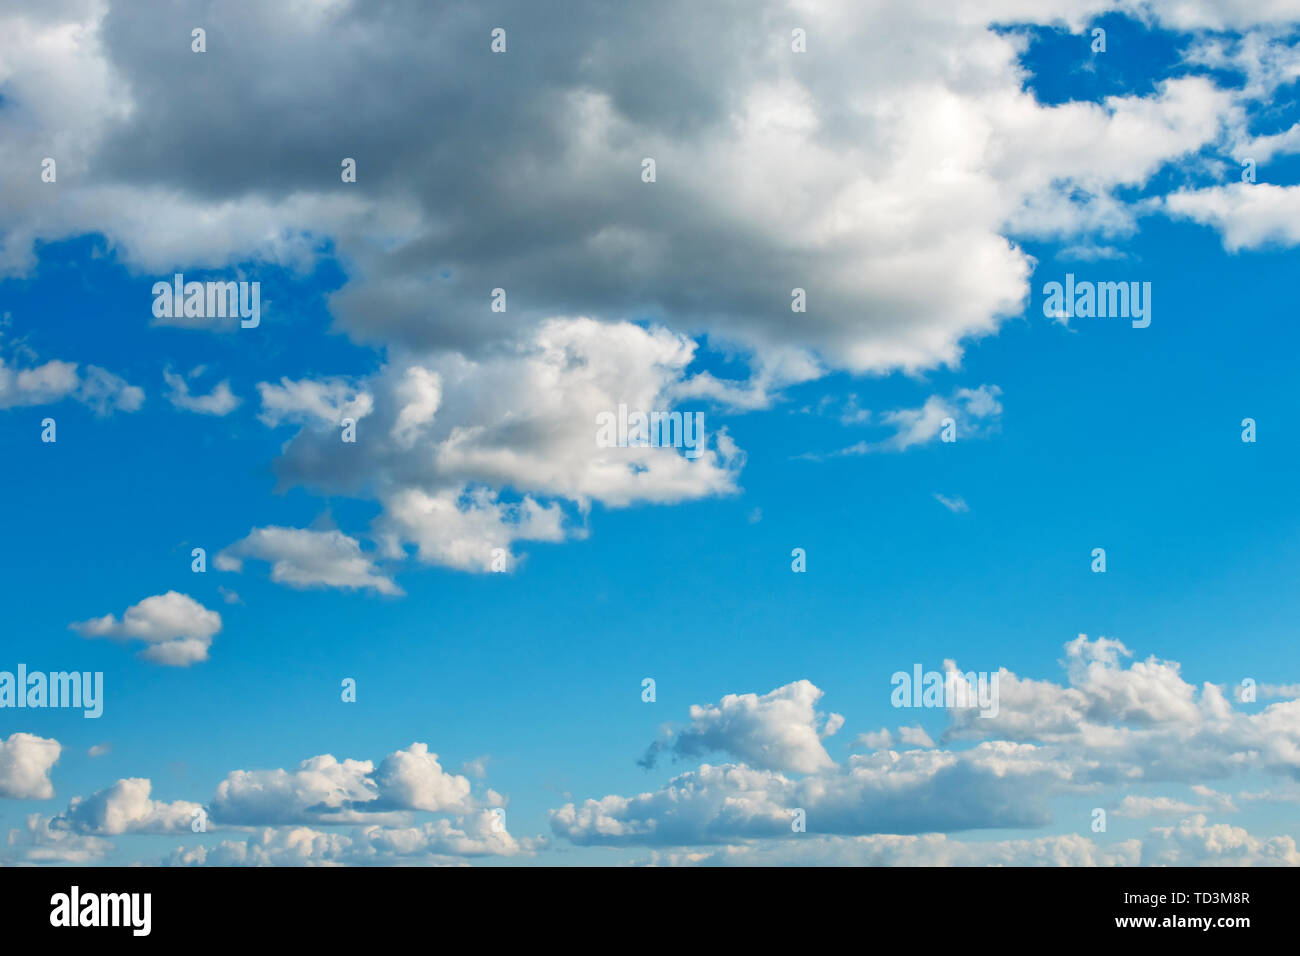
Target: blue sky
pixel 527 685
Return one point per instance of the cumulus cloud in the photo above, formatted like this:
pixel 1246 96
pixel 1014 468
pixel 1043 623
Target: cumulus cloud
pixel 1248 215
pixel 324 789
pixel 125 807
pixel 25 762
pixel 303 558
pixel 286 807
pixel 319 403
pixel 320 789
pixel 413 779
pixel 1116 725
pixel 177 629
pixel 776 731
pixel 892 185
pixel 280 810
pixel 993 785
pixel 443 434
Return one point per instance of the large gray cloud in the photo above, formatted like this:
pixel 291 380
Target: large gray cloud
pixel 892 182
pixel 882 177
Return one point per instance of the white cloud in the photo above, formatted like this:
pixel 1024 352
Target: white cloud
pixel 303 558
pixel 974 412
pixel 125 807
pixel 915 737
pixel 321 789
pixel 317 403
pixel 220 401
pixel 1196 842
pixel 1111 729
pixel 413 779
pixel 100 390
pixel 1248 215
pixel 177 628
pixel 444 432
pixel 324 789
pixel 25 762
pixel 418 396
pixel 776 731
pixel 380 803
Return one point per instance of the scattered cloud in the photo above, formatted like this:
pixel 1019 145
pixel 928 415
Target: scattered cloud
pixel 177 629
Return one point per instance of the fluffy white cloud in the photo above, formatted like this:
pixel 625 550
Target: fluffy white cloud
pixel 285 846
pixel 413 779
pixel 381 803
pixel 321 789
pixel 1112 729
pixel 1248 215
pixel 54 381
pixel 995 784
pixel 324 789
pixel 177 628
pixel 1140 806
pixel 444 431
pixel 125 807
pixel 778 731
pixel 303 558
pixel 462 530
pixel 25 762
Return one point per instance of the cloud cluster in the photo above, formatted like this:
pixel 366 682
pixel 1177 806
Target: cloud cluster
pixel 324 789
pixel 779 731
pixel 891 185
pixel 281 811
pixel 55 380
pixel 436 436
pixel 1109 728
